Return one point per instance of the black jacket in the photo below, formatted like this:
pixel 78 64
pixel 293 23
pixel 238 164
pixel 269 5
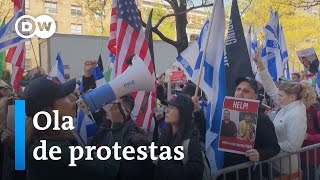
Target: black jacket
pixel 54 170
pixel 192 170
pixel 266 143
pixel 135 169
pixel 200 123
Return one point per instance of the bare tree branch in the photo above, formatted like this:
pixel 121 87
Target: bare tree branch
pixel 190 9
pixel 246 7
pixel 301 4
pixel 159 33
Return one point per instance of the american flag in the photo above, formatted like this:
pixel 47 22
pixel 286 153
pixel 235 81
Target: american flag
pixel 16 54
pixel 127 38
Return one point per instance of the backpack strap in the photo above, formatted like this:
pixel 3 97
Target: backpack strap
pixel 185 145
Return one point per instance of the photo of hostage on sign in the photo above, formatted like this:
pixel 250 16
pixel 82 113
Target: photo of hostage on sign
pixel 309 59
pixel 238 125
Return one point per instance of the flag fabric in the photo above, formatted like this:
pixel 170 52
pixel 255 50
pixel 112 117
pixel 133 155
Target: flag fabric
pixel 253 51
pixel 284 52
pixel 2 57
pixel 58 70
pixel 213 78
pixel 98 76
pixel 127 38
pixel 85 127
pixel 190 61
pixel 109 73
pixel 8 36
pixel 2 54
pixel 271 54
pixel 100 64
pixel 17 73
pixel 16 54
pixel 318 81
pixel 237 60
pixel 112 43
pixel 248 39
pixel 18 4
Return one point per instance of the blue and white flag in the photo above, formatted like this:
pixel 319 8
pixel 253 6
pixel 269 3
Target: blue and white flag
pixel 248 39
pixel 213 78
pixel 252 48
pixel 271 54
pixel 318 82
pixel 58 70
pixel 85 127
pixel 253 51
pixel 98 76
pixel 8 35
pixel 284 53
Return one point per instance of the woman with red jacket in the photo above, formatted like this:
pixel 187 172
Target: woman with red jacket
pixel 312 137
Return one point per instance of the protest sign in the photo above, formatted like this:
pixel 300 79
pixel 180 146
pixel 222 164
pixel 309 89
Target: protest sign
pixel 238 126
pixel 177 76
pixel 309 59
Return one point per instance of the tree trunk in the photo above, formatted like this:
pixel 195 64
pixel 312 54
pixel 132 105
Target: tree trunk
pixel 181 25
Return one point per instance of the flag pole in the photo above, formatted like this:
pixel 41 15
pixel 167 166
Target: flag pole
pixel 205 50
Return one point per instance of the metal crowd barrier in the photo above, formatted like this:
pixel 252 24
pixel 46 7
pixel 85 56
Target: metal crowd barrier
pixel 248 167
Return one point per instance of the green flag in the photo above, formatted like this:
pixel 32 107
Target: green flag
pixel 107 75
pixel 2 54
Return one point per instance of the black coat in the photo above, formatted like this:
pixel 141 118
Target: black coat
pixel 266 143
pixel 173 170
pixel 135 169
pixel 200 123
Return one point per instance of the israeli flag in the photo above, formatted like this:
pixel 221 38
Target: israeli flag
pixel 271 54
pixel 284 53
pixel 85 127
pixel 8 35
pixel 253 51
pixel 212 80
pixel 58 70
pixel 252 46
pixel 248 39
pixel 98 76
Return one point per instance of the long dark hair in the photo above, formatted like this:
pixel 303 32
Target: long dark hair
pixel 184 130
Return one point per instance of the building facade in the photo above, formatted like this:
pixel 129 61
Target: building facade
pixel 79 18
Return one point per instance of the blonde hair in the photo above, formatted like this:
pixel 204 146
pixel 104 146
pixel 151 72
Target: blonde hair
pixel 303 90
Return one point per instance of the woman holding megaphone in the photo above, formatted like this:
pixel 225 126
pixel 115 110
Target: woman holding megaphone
pixel 44 94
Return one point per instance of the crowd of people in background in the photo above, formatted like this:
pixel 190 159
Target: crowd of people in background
pixel 179 120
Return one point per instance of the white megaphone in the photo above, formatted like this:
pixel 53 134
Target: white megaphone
pixel 136 78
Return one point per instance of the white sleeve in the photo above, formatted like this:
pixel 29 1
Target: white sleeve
pixel 268 85
pixel 296 130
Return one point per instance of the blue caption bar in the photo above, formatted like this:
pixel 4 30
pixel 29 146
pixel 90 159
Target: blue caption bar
pixel 20 134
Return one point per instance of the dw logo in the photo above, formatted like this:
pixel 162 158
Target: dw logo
pixel 43 26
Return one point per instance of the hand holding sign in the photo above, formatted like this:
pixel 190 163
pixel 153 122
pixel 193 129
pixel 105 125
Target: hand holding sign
pixel 253 155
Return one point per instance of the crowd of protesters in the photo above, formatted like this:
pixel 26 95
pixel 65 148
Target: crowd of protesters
pixel 179 121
